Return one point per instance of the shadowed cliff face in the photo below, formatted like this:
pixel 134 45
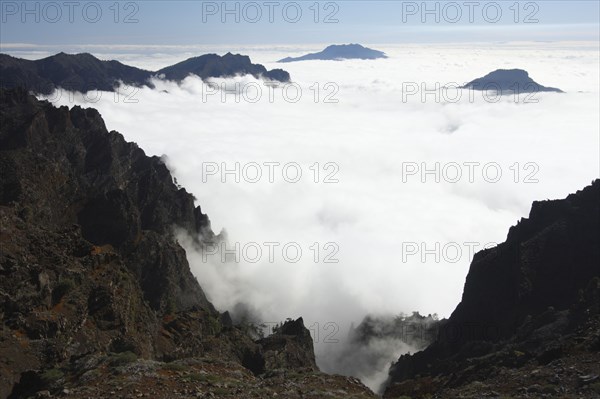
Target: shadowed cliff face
pixel 64 168
pixel 88 261
pixel 528 295
pixel 96 294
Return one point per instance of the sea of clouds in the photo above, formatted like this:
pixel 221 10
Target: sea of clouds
pixel 402 241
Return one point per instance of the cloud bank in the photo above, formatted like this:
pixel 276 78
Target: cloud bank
pixel 369 156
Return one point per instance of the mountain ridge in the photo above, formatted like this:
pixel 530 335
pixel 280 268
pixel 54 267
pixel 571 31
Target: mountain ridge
pixel 83 72
pixel 214 66
pixel 339 52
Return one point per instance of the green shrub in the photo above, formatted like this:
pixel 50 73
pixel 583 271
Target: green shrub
pixel 52 375
pixel 120 359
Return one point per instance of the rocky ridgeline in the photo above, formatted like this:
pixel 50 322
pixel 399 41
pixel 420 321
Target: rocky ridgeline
pixel 528 324
pixel 96 295
pixel 84 72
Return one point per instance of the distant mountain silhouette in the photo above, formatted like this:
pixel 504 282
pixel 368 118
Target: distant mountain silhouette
pixel 340 52
pixel 214 66
pixel 509 80
pixel 77 72
pixel 84 72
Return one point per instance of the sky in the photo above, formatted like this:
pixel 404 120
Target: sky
pixel 288 22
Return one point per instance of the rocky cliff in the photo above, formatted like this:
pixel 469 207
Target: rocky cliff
pixel 96 295
pixel 529 319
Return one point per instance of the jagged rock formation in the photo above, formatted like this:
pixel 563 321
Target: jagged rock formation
pixel 84 72
pixel 291 344
pixel 529 319
pixel 340 52
pixel 96 295
pixel 509 81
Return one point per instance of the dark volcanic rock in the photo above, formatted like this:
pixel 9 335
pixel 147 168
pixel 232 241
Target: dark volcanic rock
pixel 214 66
pixel 340 52
pixel 84 72
pixel 289 347
pixel 89 261
pixel 509 81
pixel 68 169
pixel 524 301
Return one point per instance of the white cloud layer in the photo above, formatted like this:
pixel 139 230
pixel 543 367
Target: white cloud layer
pixel 370 134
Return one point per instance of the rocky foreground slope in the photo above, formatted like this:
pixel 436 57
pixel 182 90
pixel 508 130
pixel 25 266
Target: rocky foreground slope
pixel 96 296
pixel 528 324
